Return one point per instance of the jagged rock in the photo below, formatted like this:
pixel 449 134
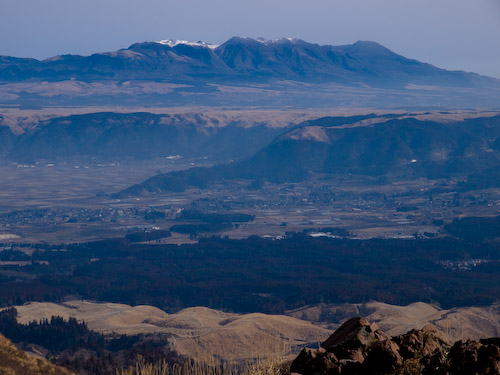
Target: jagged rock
pixel 358 330
pixel 423 342
pixel 346 350
pixel 472 357
pixel 352 339
pixel 383 357
pixel 311 362
pixel 361 348
pixel 489 356
pixel 463 356
pixel 489 359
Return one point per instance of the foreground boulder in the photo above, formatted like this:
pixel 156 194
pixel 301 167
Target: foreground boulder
pixel 361 348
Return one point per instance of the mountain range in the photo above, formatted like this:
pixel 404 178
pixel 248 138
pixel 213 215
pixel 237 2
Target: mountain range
pixel 245 147
pixel 371 145
pixel 241 71
pixel 243 59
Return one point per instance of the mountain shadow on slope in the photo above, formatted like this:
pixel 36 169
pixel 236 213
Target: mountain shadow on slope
pixel 7 139
pixel 139 136
pixel 397 148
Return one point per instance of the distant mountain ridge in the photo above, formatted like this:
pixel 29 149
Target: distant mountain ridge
pixel 391 148
pixel 140 136
pixel 243 59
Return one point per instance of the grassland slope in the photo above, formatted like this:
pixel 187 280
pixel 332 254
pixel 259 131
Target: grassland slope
pixel 16 362
pixel 195 332
pixel 473 322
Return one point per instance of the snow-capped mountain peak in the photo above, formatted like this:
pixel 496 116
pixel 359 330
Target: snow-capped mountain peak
pixel 277 40
pixel 173 43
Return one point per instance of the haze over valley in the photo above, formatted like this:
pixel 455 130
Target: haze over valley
pixel 209 204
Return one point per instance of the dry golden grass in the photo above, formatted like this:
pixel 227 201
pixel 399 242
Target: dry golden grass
pixel 273 365
pixel 163 368
pixel 16 362
pixel 460 322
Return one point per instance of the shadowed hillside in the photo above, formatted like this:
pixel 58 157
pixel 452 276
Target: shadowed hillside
pixel 396 149
pixel 136 136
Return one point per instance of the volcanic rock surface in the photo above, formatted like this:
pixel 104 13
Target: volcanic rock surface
pixel 361 348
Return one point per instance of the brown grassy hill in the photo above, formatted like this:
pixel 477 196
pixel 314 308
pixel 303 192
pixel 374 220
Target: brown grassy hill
pixel 196 332
pixel 16 362
pixel 459 323
pixel 102 317
pixel 201 333
pixel 241 337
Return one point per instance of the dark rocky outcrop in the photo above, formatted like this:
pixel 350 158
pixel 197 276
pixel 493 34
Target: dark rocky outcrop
pixel 361 348
pixel 421 342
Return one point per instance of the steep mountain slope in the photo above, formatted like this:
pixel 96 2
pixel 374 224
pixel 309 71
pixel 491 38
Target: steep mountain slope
pixel 395 148
pixel 7 139
pixel 399 147
pixel 16 362
pixel 142 136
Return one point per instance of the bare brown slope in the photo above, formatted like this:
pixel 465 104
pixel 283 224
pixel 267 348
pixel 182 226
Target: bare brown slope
pixel 16 362
pixel 460 323
pixel 196 332
pixel 201 332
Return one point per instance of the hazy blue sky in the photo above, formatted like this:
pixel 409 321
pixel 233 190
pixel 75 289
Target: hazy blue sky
pixel 454 34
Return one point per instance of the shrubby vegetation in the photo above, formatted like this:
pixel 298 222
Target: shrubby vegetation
pixel 55 335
